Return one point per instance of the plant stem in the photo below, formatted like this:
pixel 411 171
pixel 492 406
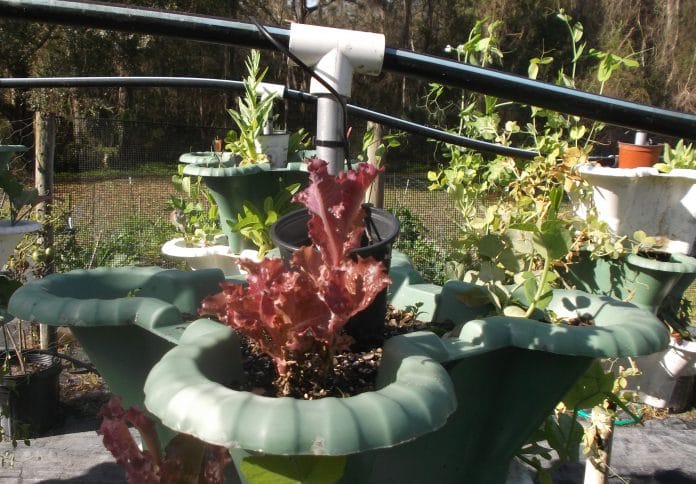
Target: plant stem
pixel 20 358
pixel 540 287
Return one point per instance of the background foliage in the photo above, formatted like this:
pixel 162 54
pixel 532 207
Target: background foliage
pixel 655 31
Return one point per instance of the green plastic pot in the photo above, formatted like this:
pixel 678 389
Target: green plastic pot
pixel 445 410
pixel 230 186
pixel 642 280
pixel 125 318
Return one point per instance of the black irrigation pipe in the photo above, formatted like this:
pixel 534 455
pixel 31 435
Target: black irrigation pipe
pixel 291 94
pixel 229 32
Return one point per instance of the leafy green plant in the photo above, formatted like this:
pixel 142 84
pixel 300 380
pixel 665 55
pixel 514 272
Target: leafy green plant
pixel 414 241
pixel 681 156
pixel 299 140
pixel 387 142
pixel 604 392
pixel 252 114
pixel 526 231
pixel 255 224
pixel 194 211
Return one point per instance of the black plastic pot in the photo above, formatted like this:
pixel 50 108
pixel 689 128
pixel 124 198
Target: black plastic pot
pixel 290 233
pixel 30 402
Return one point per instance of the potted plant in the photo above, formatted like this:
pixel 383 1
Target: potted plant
pixel 295 313
pixel 248 176
pixel 29 380
pixel 256 141
pixel 194 215
pixel 423 383
pixel 256 224
pixel 29 386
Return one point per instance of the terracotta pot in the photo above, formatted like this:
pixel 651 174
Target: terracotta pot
pixel 634 156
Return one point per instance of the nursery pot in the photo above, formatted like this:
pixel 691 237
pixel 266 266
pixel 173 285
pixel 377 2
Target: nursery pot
pixel 275 147
pixel 290 233
pixel 30 401
pixel 644 281
pixel 635 156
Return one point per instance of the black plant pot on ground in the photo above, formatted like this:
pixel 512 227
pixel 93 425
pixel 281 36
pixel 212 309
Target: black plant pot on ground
pixel 30 401
pixel 290 233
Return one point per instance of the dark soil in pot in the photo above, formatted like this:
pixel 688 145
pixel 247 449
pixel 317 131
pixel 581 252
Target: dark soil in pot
pixel 352 372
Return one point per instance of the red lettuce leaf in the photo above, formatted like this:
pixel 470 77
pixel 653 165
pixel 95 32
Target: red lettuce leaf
pixel 289 308
pixel 335 205
pixel 186 460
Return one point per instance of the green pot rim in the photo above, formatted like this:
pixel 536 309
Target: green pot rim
pixel 416 397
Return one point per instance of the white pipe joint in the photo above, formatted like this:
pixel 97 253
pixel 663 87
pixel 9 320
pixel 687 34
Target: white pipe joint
pixel 335 54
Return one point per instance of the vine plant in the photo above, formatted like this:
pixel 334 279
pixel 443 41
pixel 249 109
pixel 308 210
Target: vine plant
pixel 518 242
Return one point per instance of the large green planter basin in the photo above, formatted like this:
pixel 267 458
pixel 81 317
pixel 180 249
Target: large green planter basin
pixel 452 409
pixel 125 318
pixel 230 186
pixel 643 281
pixel 446 410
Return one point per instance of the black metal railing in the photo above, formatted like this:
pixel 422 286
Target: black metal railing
pixel 488 81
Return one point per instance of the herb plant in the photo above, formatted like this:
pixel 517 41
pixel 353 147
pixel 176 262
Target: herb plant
pixel 252 114
pixel 255 224
pixel 681 156
pixel 194 211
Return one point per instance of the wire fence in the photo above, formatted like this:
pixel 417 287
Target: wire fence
pixel 113 183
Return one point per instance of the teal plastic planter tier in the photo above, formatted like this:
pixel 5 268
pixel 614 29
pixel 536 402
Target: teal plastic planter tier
pixel 642 280
pixel 230 186
pixel 126 318
pixel 442 411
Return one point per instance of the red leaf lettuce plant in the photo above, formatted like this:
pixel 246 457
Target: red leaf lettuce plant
pixel 186 459
pixel 295 313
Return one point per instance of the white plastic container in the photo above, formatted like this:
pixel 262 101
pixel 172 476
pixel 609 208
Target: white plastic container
pixel 661 204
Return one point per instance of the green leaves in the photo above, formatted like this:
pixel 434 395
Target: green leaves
pixel 534 63
pixel 681 156
pixel 304 469
pixel 252 113
pixel 255 224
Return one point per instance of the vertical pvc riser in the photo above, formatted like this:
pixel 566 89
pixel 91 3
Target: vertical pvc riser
pixel 335 54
